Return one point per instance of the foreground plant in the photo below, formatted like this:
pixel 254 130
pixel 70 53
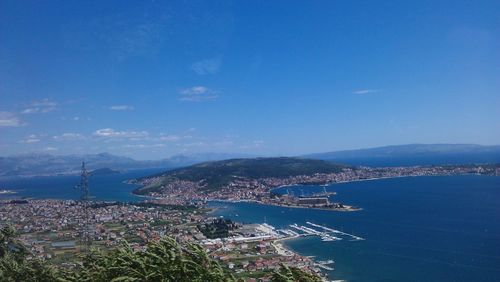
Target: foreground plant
pixel 165 260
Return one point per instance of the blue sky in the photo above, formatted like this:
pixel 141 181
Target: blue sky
pixel 150 79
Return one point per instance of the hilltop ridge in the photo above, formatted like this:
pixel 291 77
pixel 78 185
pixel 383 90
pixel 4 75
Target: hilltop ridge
pixel 212 175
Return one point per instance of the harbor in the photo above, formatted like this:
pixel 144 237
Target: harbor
pixel 325 233
pixel 252 241
pixel 362 260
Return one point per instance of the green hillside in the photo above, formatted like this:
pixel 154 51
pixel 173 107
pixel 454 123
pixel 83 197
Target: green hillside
pixel 219 173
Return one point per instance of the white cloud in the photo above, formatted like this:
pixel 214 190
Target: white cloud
pixel 111 133
pixel 69 136
pixel 121 108
pixel 50 149
pixel 40 107
pixel 169 137
pixel 143 146
pixel 173 137
pixel 223 143
pixel 253 145
pixel 209 66
pixel 197 94
pixel 193 144
pixel 258 143
pixel 33 138
pixel 8 119
pixel 366 91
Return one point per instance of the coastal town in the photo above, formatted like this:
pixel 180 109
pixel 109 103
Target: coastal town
pixel 52 228
pixel 52 231
pixel 181 192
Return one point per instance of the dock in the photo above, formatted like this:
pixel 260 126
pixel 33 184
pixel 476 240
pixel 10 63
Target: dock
pixel 331 230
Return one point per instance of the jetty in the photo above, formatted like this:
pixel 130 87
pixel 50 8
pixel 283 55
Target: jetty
pixel 309 231
pixel 331 230
pixel 326 234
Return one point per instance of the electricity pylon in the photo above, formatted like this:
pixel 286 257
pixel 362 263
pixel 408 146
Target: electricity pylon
pixel 84 201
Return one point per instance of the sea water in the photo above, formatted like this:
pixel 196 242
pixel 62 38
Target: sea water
pixel 107 187
pixel 440 228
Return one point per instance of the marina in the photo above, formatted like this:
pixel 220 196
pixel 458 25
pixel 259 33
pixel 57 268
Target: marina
pixel 354 237
pixel 386 232
pixel 325 233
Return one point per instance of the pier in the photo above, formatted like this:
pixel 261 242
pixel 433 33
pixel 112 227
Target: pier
pixel 313 232
pixel 354 237
pixel 325 233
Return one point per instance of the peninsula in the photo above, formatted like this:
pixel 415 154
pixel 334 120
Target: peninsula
pixel 255 179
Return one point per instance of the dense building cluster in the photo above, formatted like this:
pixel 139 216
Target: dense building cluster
pixel 52 227
pixel 244 189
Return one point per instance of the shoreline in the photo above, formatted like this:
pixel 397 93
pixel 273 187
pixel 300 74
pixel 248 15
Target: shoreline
pixel 350 209
pixel 354 180
pixel 284 250
pixel 375 178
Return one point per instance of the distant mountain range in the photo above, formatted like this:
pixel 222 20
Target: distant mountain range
pixel 399 155
pixel 47 164
pixel 414 154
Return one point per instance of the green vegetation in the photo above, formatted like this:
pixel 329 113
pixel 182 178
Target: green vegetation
pixel 185 208
pixel 213 175
pixel 287 274
pixel 218 228
pixel 164 260
pixel 13 263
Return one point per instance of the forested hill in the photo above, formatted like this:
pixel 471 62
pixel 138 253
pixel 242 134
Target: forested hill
pixel 219 173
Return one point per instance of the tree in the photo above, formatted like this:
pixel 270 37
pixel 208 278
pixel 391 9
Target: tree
pixel 14 265
pixel 293 274
pixel 165 260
